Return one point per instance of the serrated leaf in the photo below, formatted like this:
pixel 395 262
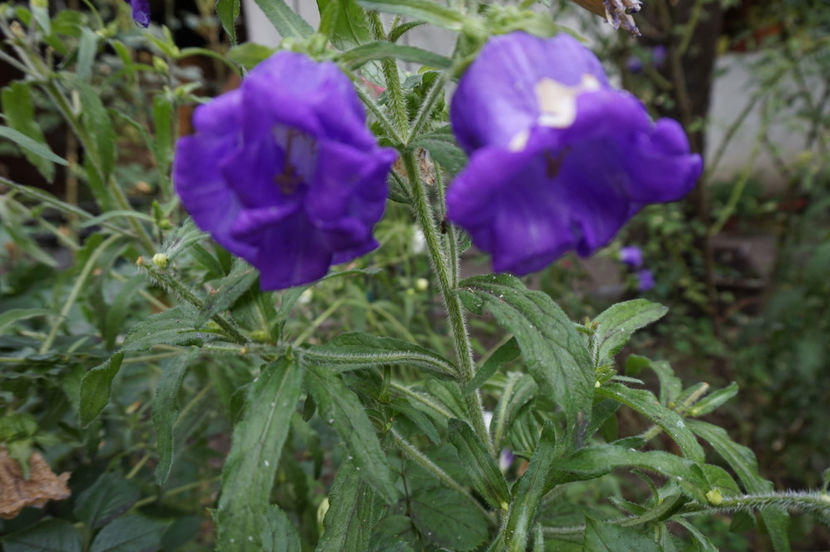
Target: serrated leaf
pixel 480 466
pixel 616 324
pixel 134 533
pixel 344 23
pixel 447 519
pixel 285 20
pixel 555 354
pixel 51 535
pixel 443 149
pixel 279 535
pixel 518 390
pixel 33 147
pixel 20 115
pixel 110 496
pixel 256 445
pixel 340 407
pixel 605 537
pixel 172 327
pixel 420 10
pixel 742 461
pixel 354 509
pixel 360 55
pixel 647 404
pixel 238 282
pixel 166 412
pixel 228 12
pixel 527 494
pixel 95 388
pixel 714 400
pixel 358 350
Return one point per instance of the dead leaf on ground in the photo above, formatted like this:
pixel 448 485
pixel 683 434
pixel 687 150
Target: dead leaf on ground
pixel 17 493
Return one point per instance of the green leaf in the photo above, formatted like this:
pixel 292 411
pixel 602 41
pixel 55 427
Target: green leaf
pixel 670 385
pixel 163 126
pixel 228 12
pixel 249 54
pixel 284 19
pixel 527 494
pixel 279 535
pixel 354 509
pixel 27 144
pixel 13 315
pixel 714 400
pixel 87 47
pixel 51 535
pixel 171 327
pixel 647 404
pixel 238 282
pixel 95 388
pixel 117 312
pixel 166 412
pixel 344 23
pixel 507 352
pixel 20 115
pixel 447 519
pixel 420 10
pixel 553 350
pixel 340 407
pixel 99 125
pixel 443 149
pixel 248 474
pixel 134 533
pixel 743 463
pixel 605 537
pixel 381 49
pixel 702 541
pixel 358 350
pixel 518 390
pixel 616 324
pixel 480 466
pixel 110 496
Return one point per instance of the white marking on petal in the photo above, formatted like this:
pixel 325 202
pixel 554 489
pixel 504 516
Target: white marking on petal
pixel 518 142
pixel 557 101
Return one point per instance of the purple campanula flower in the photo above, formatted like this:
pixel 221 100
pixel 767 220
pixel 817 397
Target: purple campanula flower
pixel 141 11
pixel 632 256
pixel 558 159
pixel 284 172
pixel 645 279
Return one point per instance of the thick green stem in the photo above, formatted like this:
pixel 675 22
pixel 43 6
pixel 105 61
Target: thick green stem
pixel 455 313
pixel 393 79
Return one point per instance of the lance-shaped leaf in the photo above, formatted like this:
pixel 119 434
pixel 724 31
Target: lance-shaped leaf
pixel 228 12
pixel 420 10
pixel 285 20
pixel 647 404
pixel 110 496
pixel 354 509
pixel 742 461
pixel 340 407
pixel 481 467
pixel 616 324
pixel 555 353
pixel 527 494
pixel 518 390
pixel 248 474
pixel 95 388
pixel 230 289
pixel 605 537
pixel 507 352
pixel 381 49
pixel 50 535
pixel 344 23
pixel 166 412
pixel 358 350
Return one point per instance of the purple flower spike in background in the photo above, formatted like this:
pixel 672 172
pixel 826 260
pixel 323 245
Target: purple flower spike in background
pixel 283 171
pixel 141 11
pixel 645 279
pixel 632 256
pixel 558 159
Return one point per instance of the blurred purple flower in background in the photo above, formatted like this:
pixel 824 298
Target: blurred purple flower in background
pixel 558 159
pixel 283 171
pixel 657 56
pixel 645 280
pixel 632 256
pixel 141 11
